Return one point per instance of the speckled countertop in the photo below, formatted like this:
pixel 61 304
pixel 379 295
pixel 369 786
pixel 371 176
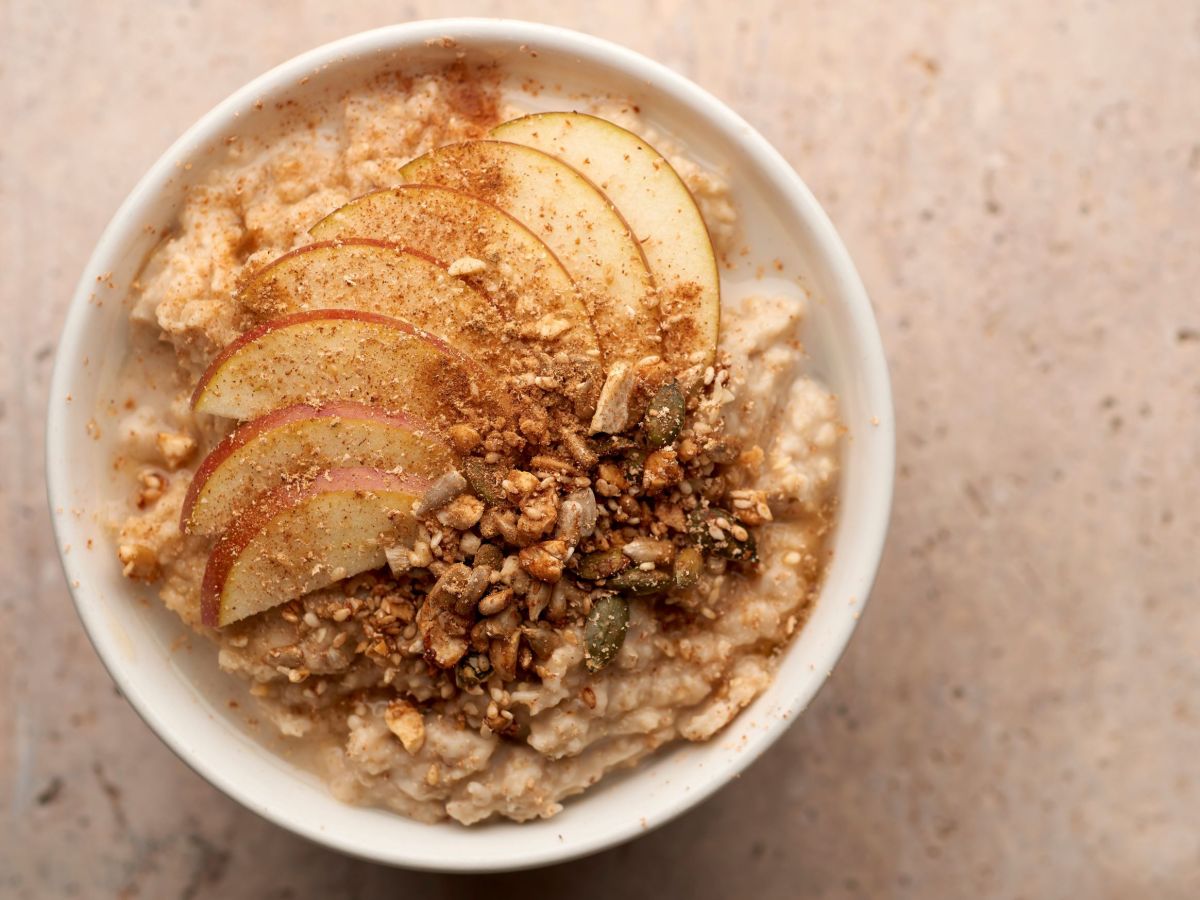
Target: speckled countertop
pixel 1019 713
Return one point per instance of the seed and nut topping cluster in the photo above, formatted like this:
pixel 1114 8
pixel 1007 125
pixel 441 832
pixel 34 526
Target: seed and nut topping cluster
pixel 515 557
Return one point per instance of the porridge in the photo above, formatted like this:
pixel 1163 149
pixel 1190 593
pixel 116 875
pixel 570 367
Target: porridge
pixel 458 474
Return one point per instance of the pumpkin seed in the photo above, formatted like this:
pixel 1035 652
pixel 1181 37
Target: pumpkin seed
pixel 473 670
pixel 635 464
pixel 719 532
pixel 688 564
pixel 604 632
pixel 639 581
pixel 601 564
pixel 664 418
pixel 484 480
pixel 489 555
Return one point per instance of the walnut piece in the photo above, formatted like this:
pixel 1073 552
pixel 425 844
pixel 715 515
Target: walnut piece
pixel 462 512
pixel 444 619
pixel 538 515
pixel 544 561
pixel 405 721
pixel 662 470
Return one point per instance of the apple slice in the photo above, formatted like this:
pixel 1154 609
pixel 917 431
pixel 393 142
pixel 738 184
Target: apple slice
pixel 375 276
pixel 660 210
pixel 522 277
pixel 297 539
pixel 323 356
pixel 288 443
pixel 576 221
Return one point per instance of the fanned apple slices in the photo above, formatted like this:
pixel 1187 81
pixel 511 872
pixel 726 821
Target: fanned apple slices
pixel 294 540
pixel 377 277
pixel 660 210
pixel 323 356
pixel 289 444
pixel 565 247
pixel 576 221
pixel 528 283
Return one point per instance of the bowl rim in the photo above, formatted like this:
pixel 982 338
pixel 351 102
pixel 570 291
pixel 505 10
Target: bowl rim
pixel 657 77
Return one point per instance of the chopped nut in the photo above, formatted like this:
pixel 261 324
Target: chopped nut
pixel 537 598
pixel 661 472
pixel 544 561
pixel 464 438
pixel 611 481
pixel 503 656
pixel 398 559
pixel 444 618
pixel 500 523
pixel 534 425
pixel 466 265
pixel 406 722
pixel 612 409
pixel 175 448
pixel 671 515
pixel 138 562
pixel 518 484
pixel 538 515
pixel 420 556
pixel 469 543
pixel 462 512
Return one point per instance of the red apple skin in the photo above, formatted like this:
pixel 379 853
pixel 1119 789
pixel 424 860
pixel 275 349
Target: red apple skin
pixel 235 539
pixel 388 278
pixel 496 395
pixel 441 457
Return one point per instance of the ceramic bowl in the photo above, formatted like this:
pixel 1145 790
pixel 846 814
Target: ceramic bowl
pixel 182 695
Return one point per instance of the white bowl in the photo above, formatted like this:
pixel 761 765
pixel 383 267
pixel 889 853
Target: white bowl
pixel 182 695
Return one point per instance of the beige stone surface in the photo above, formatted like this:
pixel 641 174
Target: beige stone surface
pixel 1019 714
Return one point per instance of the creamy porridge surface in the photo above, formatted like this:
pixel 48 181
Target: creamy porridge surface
pixel 381 724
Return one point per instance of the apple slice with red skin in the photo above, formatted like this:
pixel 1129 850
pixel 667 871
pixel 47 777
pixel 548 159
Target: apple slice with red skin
pixel 324 356
pixel 299 538
pixel 577 222
pixel 662 213
pixel 524 279
pixel 290 442
pixel 379 277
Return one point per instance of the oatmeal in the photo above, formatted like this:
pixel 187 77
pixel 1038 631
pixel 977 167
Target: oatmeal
pixel 452 467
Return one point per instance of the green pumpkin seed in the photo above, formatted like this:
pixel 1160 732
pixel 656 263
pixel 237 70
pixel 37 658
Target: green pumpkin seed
pixel 601 564
pixel 604 632
pixel 719 532
pixel 635 464
pixel 688 565
pixel 473 670
pixel 664 418
pixel 640 582
pixel 489 555
pixel 484 480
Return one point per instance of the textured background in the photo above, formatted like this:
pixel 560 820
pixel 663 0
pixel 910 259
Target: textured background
pixel 1019 714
